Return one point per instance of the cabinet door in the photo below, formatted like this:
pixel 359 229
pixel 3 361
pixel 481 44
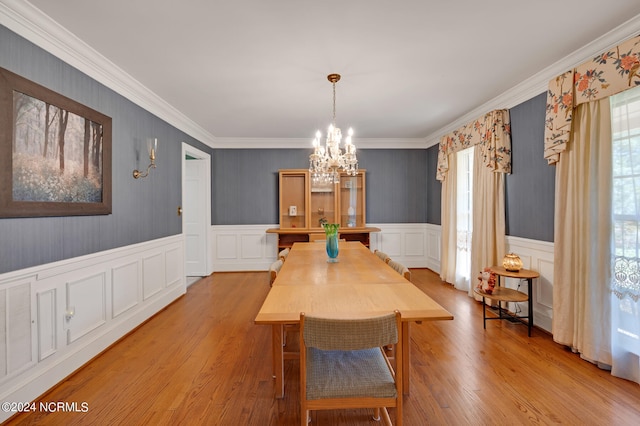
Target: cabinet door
pixel 293 189
pixel 352 201
pixel 322 201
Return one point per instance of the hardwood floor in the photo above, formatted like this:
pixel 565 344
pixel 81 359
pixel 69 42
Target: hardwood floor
pixel 203 361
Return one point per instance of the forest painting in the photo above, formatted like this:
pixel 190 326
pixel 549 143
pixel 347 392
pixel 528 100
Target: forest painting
pixel 59 152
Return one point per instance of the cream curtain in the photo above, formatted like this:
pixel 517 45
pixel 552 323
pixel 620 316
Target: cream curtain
pixel 488 242
pixel 490 135
pixel 582 236
pixel 449 225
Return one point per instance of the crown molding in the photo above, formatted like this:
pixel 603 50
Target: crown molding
pixel 539 82
pixel 31 23
pixel 305 143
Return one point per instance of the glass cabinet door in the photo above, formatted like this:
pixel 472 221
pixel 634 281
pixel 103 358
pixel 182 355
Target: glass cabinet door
pixel 352 202
pixel 322 204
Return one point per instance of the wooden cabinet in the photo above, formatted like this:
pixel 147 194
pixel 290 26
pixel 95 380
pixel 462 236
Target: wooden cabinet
pixel 305 204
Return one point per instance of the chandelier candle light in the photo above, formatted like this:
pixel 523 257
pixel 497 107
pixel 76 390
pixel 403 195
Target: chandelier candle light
pixel 326 163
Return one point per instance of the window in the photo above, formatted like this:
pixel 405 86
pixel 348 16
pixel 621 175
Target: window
pixel 625 123
pixel 625 280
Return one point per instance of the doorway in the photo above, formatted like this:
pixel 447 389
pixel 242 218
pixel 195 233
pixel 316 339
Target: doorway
pixel 196 211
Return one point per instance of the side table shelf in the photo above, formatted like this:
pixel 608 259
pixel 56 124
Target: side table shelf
pixel 503 294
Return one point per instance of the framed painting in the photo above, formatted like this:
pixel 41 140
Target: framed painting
pixel 55 153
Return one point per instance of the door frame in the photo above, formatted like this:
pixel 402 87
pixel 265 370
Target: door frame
pixel 206 193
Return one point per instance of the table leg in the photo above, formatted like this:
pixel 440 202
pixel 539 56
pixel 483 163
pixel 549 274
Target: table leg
pixel 406 359
pixel 530 304
pixel 484 313
pixel 278 359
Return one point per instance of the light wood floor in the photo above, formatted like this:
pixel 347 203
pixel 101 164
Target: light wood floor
pixel 203 361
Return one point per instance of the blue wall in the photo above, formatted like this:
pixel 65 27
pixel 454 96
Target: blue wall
pixel 245 184
pixel 530 188
pixel 434 187
pixel 142 209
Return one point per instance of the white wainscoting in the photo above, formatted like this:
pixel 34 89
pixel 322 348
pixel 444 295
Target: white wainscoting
pixel 243 247
pixel 538 256
pixel 250 248
pixel 60 315
pixel 406 243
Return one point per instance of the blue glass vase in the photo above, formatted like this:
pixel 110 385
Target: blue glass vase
pixel 331 233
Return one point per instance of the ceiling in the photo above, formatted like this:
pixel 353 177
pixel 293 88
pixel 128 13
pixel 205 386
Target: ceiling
pixel 257 69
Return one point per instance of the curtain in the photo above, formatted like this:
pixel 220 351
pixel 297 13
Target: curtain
pixel 488 243
pixel 612 71
pixel 449 225
pixel 582 235
pixel 490 135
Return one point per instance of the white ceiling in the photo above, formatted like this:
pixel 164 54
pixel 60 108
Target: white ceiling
pixel 257 68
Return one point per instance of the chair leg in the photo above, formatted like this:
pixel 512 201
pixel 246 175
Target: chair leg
pixel 376 414
pixel 385 416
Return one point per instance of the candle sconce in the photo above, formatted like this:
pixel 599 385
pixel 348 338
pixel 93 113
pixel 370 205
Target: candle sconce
pixel 152 157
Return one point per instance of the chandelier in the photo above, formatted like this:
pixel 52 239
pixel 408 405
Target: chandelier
pixel 326 162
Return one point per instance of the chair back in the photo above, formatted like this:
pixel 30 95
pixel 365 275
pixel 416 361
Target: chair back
pixel 382 255
pixel 283 254
pixel 274 269
pixel 401 269
pixel 350 334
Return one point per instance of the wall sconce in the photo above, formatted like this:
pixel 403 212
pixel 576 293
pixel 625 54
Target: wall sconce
pixel 152 157
pixel 512 262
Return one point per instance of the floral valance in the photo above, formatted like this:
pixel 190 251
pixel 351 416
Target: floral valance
pixel 611 72
pixel 491 132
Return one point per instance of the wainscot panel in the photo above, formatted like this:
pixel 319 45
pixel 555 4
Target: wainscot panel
pixel 61 315
pixel 538 256
pixel 250 248
pixel 406 243
pixel 434 238
pixel 243 247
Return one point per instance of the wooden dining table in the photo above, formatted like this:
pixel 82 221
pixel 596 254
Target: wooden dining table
pixel 359 284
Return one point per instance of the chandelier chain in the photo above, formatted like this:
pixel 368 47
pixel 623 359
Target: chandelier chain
pixel 334 104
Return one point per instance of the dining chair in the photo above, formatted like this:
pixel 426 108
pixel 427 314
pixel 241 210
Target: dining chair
pixel 401 269
pixel 382 255
pixel 343 365
pixel 274 269
pixel 283 254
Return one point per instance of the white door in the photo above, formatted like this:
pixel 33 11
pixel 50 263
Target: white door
pixel 196 213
